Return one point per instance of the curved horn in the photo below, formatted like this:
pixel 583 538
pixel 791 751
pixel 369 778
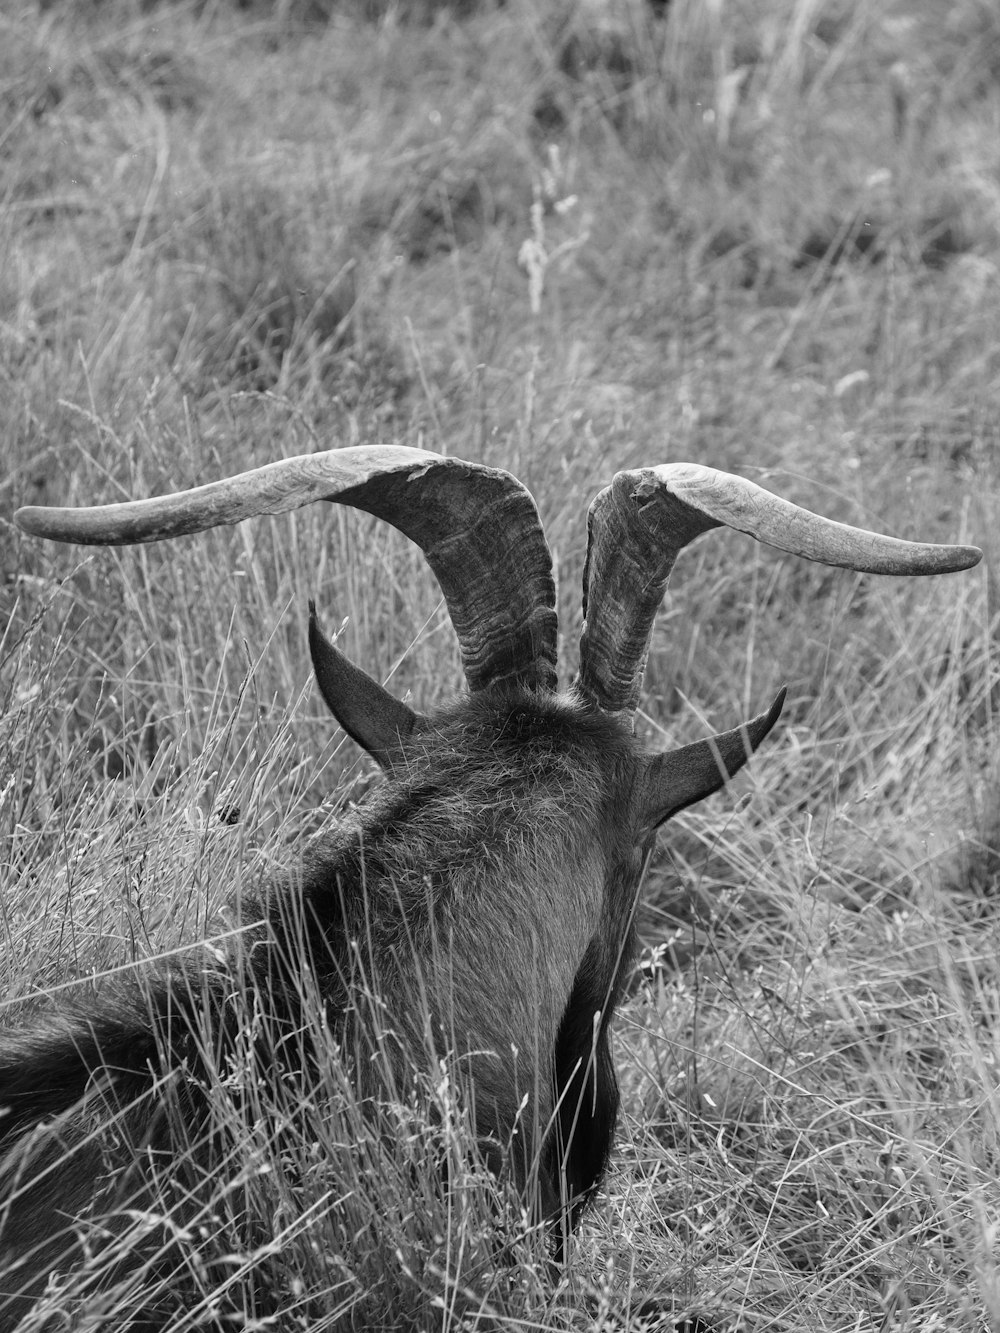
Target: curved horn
pixel 639 523
pixel 477 526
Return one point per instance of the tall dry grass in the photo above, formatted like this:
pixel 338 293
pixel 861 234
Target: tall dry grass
pixel 760 237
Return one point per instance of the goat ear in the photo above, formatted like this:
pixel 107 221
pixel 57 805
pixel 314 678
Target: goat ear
pixel 679 778
pixel 368 713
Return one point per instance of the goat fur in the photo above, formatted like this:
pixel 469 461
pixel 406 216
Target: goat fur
pixel 484 893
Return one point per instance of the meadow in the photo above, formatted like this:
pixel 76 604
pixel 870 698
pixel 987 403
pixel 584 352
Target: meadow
pixel 565 240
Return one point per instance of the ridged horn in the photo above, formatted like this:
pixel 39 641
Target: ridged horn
pixel 478 527
pixel 639 523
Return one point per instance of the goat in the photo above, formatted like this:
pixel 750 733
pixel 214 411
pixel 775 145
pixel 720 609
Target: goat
pixel 484 895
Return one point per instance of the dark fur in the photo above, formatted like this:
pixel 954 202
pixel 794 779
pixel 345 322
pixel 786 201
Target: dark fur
pixel 489 883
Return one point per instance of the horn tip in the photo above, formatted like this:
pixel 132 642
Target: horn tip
pixel 30 518
pixel 966 557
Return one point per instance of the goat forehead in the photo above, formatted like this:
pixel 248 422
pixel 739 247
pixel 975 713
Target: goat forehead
pixel 507 757
pixel 514 716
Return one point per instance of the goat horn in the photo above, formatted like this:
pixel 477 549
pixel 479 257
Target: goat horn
pixel 477 526
pixel 637 526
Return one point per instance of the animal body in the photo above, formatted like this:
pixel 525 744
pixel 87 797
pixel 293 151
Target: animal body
pixel 477 908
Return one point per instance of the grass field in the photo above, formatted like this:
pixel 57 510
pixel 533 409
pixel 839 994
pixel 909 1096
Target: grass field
pixel 764 236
